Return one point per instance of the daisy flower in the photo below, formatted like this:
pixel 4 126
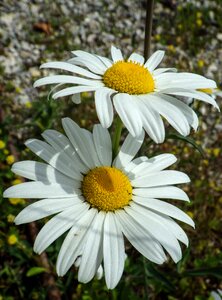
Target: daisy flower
pixel 140 92
pixel 99 200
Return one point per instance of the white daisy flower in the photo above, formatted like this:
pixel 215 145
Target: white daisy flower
pixel 101 200
pixel 138 90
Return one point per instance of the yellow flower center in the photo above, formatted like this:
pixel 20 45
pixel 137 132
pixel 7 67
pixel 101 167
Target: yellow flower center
pixel 207 91
pixel 107 188
pixel 129 77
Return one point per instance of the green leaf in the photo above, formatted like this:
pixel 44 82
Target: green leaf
pixel 189 140
pixel 216 272
pixel 35 271
pixel 159 276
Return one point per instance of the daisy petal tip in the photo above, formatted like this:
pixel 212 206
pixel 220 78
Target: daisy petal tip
pixel 111 286
pixel 35 84
pixel 37 248
pixel 113 47
pixel 65 120
pixel 54 96
pixel 186 178
pixel 5 194
pixel 217 106
pixel 138 134
pixel 59 272
pixel 186 198
pixel 176 260
pixel 18 220
pixel 29 141
pixel 42 66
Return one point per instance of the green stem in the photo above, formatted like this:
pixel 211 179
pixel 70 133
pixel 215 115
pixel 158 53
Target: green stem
pixel 148 28
pixel 117 136
pixel 145 278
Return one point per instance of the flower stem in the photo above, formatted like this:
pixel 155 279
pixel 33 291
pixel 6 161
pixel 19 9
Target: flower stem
pixel 148 28
pixel 117 136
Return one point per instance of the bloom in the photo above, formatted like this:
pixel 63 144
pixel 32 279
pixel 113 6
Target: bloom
pixel 12 239
pixel 2 144
pixel 99 199
pixel 139 91
pixel 10 159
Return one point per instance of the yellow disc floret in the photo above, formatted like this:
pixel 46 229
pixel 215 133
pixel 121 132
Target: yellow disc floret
pixel 107 188
pixel 129 77
pixel 207 91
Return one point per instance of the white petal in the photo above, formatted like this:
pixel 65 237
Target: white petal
pixel 74 242
pixel 170 225
pixel 107 62
pixel 38 189
pixel 172 114
pixel 164 208
pixel 61 143
pixel 151 120
pixel 174 228
pixel 45 208
pixel 42 172
pixel 128 150
pixel 67 79
pixel 74 90
pixel 135 162
pixel 90 145
pixel 56 158
pixel 69 67
pixel 134 57
pixel 113 251
pixel 93 59
pixel 164 192
pixel 139 170
pixel 156 164
pixel 92 256
pixel 99 273
pixel 163 70
pixel 206 98
pixel 161 162
pixel 160 178
pixel 188 112
pixel 104 107
pixel 76 98
pixel 154 60
pixel 116 54
pixel 183 80
pixel 157 230
pixel 57 226
pixel 80 142
pixel 89 63
pixel 127 109
pixel 103 144
pixel 140 238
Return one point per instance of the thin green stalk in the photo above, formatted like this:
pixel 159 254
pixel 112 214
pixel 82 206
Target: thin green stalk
pixel 117 136
pixel 148 28
pixel 145 278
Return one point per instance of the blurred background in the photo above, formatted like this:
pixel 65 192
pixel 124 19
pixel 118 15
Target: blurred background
pixel 33 32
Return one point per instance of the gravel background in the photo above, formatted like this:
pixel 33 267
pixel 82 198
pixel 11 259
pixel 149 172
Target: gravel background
pixel 35 31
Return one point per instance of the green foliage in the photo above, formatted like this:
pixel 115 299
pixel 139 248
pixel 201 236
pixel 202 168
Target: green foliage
pixel 35 271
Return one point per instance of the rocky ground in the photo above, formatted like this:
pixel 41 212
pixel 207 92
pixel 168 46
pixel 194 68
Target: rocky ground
pixel 35 31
